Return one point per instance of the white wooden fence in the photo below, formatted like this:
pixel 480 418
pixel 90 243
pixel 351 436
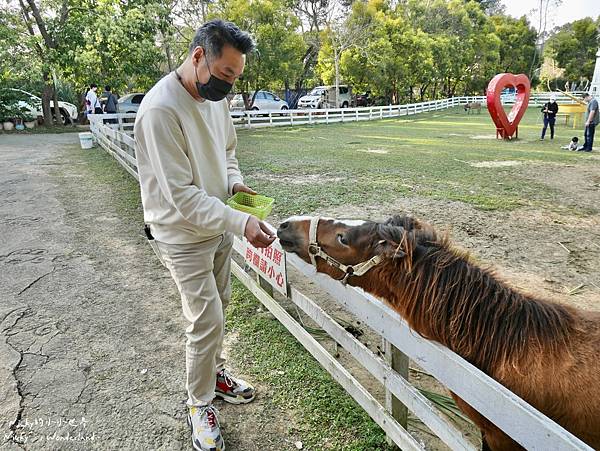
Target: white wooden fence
pixel 256 119
pixel 510 413
pixel 264 118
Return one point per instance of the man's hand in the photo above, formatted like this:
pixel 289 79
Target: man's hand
pixel 240 187
pixel 258 234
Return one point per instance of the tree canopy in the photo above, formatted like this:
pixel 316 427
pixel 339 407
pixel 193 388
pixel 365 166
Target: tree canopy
pixel 396 50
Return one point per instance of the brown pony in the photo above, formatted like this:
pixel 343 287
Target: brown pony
pixel 545 352
pixel 473 106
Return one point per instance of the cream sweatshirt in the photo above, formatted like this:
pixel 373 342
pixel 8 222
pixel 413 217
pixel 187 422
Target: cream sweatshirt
pixel 185 151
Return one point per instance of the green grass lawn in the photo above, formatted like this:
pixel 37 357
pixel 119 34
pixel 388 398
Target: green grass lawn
pixel 371 163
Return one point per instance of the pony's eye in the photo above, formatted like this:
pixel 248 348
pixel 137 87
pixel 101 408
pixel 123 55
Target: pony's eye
pixel 342 240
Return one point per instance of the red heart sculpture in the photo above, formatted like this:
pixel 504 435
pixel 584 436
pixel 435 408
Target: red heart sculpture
pixel 507 125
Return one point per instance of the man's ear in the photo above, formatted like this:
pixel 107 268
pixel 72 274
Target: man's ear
pixel 198 53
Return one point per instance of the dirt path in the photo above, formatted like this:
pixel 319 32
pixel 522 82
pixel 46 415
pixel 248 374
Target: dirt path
pixel 91 334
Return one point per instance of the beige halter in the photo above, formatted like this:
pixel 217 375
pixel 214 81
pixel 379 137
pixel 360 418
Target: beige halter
pixel 314 251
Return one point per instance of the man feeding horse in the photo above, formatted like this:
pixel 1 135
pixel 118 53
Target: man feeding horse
pixel 187 167
pixel 545 352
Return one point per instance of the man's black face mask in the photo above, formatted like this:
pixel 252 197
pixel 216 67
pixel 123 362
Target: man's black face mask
pixel 215 89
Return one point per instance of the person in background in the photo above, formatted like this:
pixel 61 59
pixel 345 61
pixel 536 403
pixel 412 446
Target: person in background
pixel 592 119
pixel 572 145
pixel 110 104
pixel 549 109
pixel 91 100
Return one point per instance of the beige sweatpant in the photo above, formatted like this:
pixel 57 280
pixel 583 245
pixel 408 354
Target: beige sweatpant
pixel 202 272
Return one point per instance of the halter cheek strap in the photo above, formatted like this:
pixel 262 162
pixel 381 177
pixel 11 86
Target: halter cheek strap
pixel 314 251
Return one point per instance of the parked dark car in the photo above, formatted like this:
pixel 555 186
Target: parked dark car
pixel 364 99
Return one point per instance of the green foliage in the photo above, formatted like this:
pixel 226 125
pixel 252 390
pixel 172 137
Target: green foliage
pixel 430 49
pixel 517 43
pixel 120 48
pixel 400 51
pixel 574 48
pixel 278 57
pixel 13 104
pixel 19 64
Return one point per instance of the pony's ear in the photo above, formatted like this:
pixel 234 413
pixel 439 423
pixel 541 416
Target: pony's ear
pixel 405 221
pixel 396 220
pixel 390 249
pixel 391 241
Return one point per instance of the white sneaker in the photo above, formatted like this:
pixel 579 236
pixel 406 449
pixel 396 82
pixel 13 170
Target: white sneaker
pixel 232 389
pixel 206 432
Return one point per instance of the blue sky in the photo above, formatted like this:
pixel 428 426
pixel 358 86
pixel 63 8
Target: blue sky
pixel 567 11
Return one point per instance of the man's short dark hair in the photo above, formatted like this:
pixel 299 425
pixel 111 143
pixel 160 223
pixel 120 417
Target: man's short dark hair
pixel 93 85
pixel 215 34
pixel 575 139
pixel 585 95
pixel 107 88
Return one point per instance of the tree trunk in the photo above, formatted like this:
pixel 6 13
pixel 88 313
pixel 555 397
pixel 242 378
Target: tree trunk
pixel 168 54
pixel 337 76
pixel 56 109
pixel 422 91
pixel 246 100
pixel 46 95
pixel 308 59
pixel 55 100
pixel 258 88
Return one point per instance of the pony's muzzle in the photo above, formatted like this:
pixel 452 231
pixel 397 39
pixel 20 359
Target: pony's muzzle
pixel 288 238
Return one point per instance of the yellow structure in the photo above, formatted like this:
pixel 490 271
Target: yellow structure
pixel 576 110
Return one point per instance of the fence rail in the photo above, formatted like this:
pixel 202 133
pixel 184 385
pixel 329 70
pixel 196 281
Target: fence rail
pixel 515 417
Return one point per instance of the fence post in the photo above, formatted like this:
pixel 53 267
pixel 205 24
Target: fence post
pixel 399 363
pixel 265 285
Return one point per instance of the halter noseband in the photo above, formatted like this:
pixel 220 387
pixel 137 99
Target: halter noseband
pixel 314 251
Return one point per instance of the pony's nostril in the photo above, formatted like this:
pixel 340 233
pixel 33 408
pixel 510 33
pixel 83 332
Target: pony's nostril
pixel 284 226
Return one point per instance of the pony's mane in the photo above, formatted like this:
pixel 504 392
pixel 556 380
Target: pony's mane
pixel 448 298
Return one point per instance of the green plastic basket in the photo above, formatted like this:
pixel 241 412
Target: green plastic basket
pixel 257 205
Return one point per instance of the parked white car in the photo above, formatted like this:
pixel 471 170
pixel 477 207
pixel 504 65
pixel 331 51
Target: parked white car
pixel 324 97
pixel 264 100
pixel 33 104
pixel 130 103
